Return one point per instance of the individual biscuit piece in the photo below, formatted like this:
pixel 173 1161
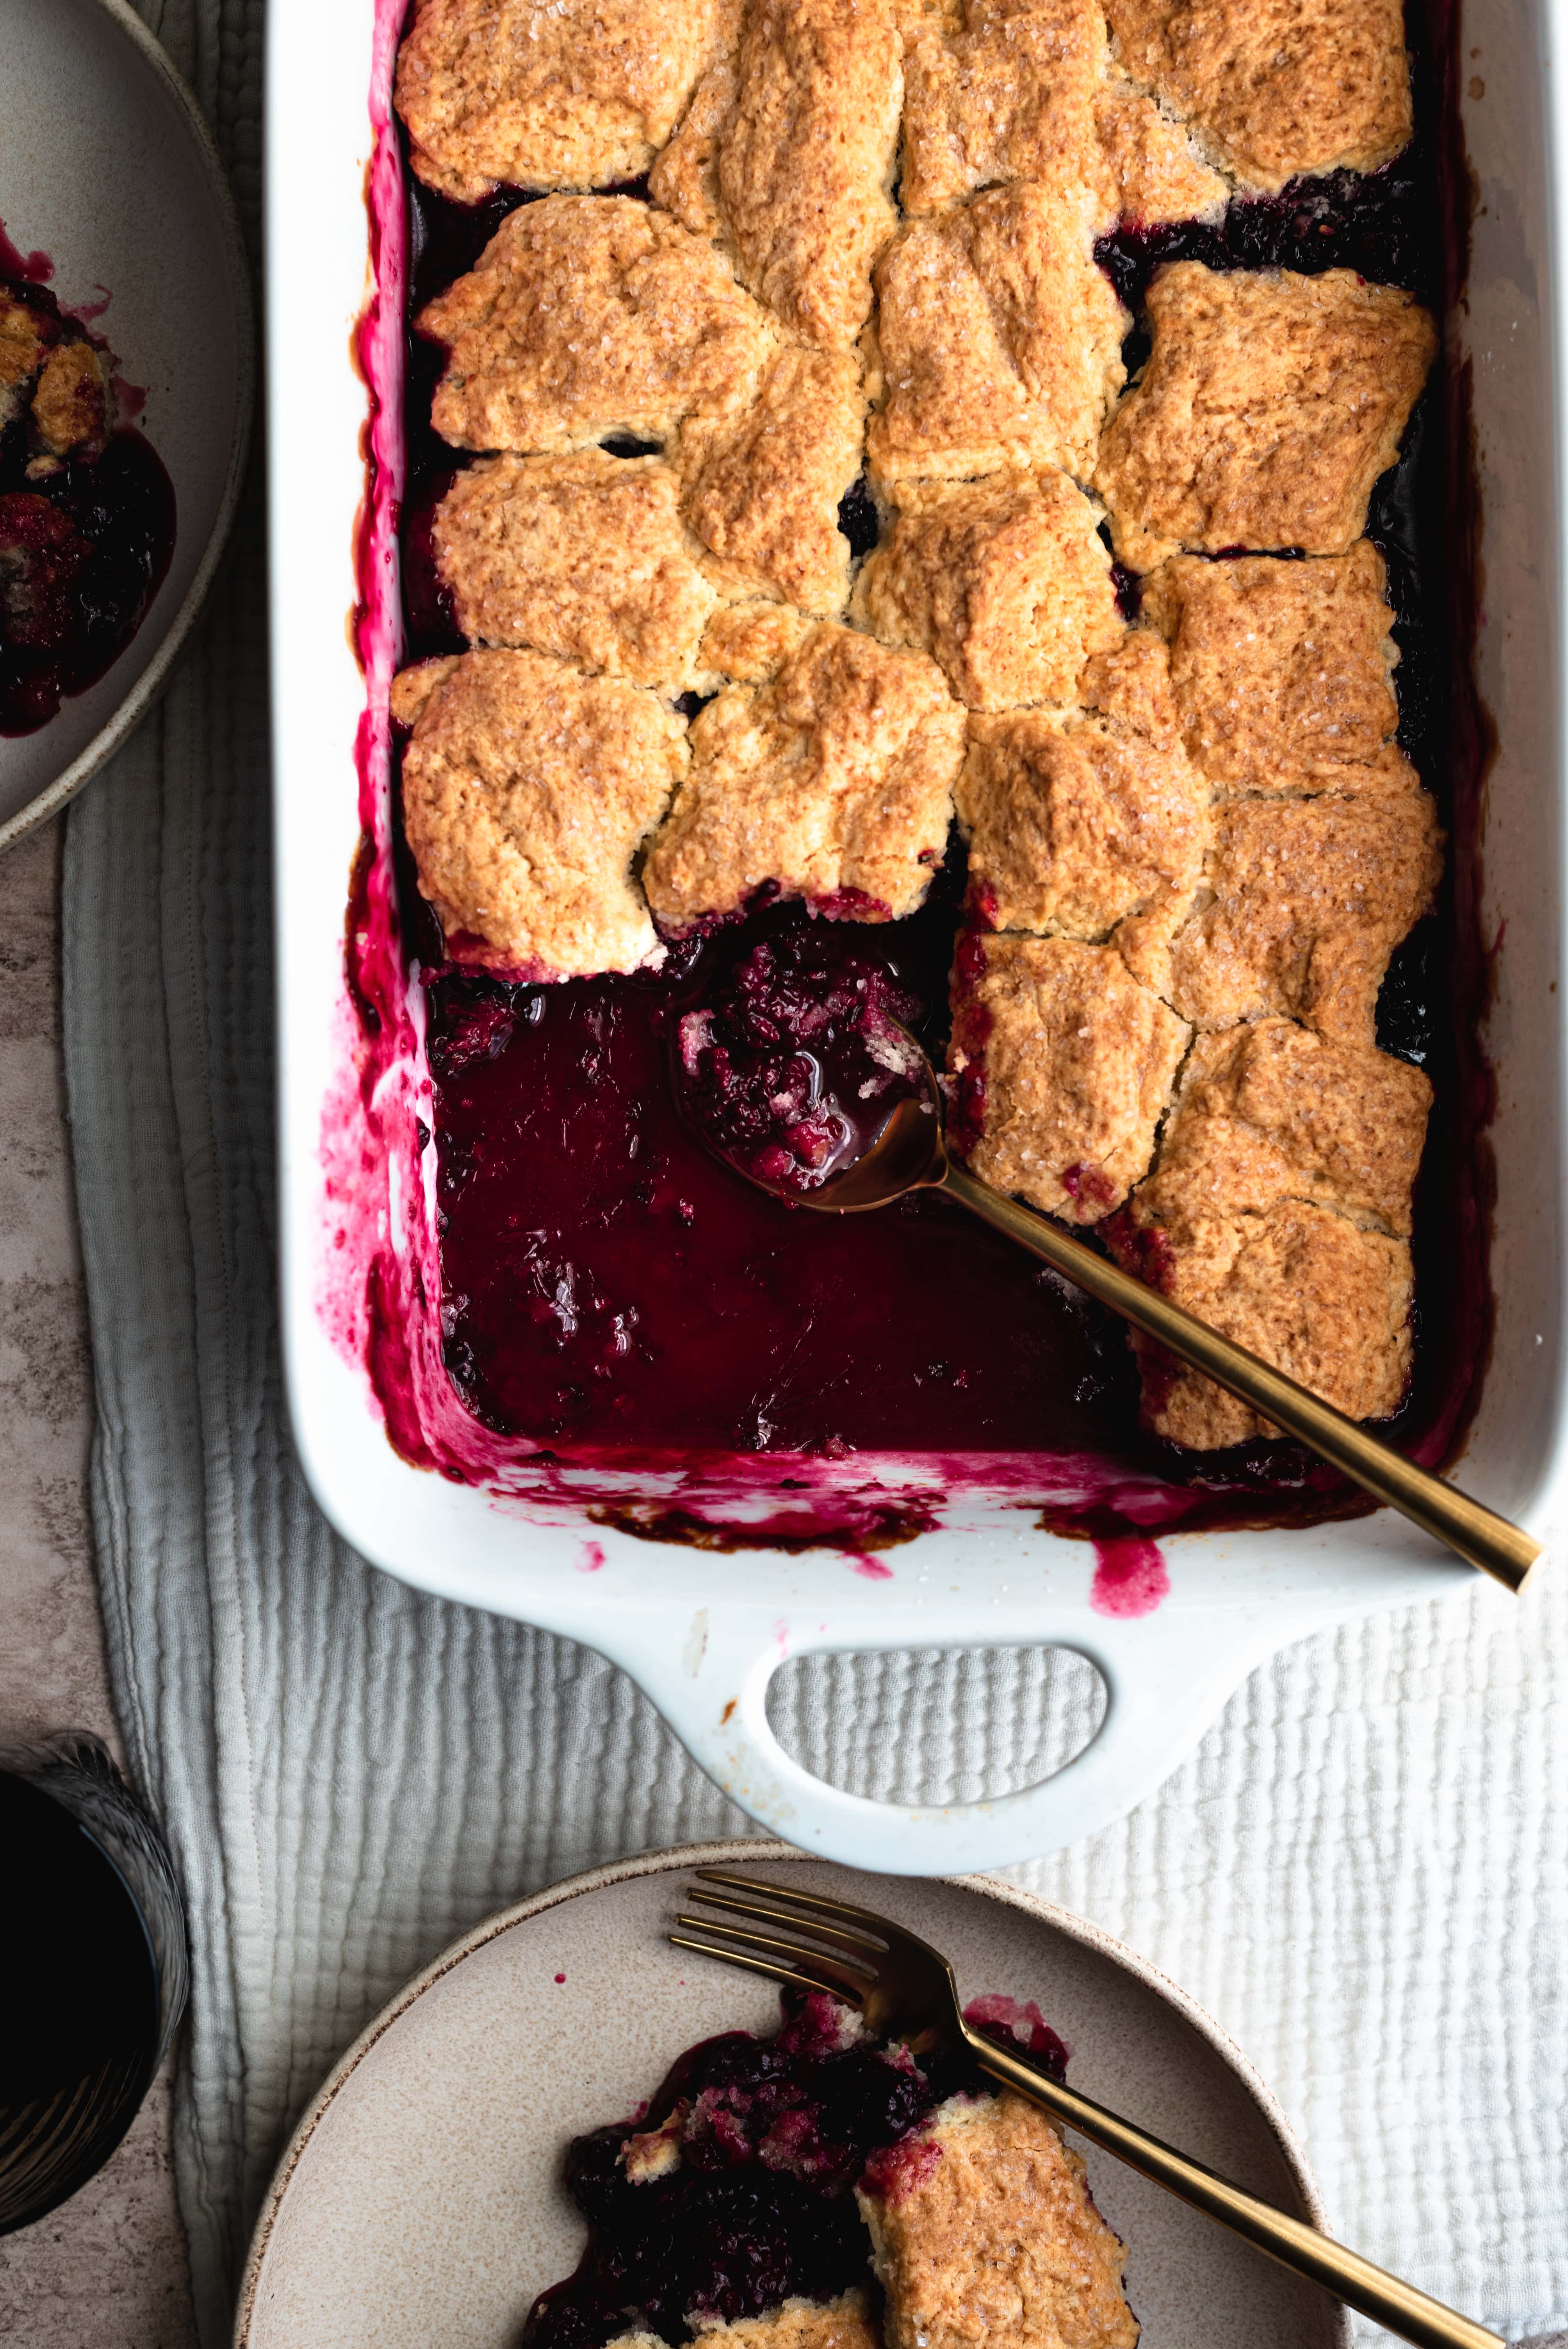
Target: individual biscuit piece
pixel 842 2323
pixel 1000 341
pixel 1269 1112
pixel 25 334
pixel 1281 672
pixel 1279 86
pixel 1012 97
pixel 549 93
pixel 1303 903
pixel 583 557
pixel 586 317
pixel 762 489
pixel 1065 1066
pixel 527 788
pixel 1308 1290
pixel 832 783
pixel 1078 825
pixel 1006 582
pixel 986 2230
pixel 1155 172
pixel 806 163
pixel 749 642
pixel 1270 404
pixel 70 400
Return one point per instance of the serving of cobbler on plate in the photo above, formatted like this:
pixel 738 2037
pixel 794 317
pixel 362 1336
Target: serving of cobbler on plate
pixel 821 2189
pixel 940 511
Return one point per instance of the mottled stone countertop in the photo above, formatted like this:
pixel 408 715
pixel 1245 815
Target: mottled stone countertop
pixel 107 2270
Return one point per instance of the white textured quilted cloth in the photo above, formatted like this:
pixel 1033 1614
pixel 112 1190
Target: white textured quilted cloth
pixel 1363 1871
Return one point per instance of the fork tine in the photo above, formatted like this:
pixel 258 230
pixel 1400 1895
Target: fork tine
pixel 765 1966
pixel 866 1917
pixel 846 1937
pixel 836 1970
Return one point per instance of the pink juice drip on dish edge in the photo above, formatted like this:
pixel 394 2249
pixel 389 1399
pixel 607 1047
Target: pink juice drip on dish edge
pixel 675 1473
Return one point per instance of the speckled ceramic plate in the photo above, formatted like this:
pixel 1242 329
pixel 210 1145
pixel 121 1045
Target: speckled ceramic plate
pixel 107 168
pixel 420 2202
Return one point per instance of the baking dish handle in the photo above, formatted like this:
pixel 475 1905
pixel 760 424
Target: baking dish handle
pixel 1165 1680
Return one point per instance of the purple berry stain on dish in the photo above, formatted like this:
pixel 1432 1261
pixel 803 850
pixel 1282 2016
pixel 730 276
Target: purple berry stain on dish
pixel 1129 1577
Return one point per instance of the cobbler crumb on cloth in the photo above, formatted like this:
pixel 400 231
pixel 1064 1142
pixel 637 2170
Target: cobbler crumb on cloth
pixel 957 2260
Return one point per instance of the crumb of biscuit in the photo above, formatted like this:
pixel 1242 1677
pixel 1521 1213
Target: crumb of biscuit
pixel 582 555
pixel 1283 672
pixel 1303 903
pixel 549 93
pixel 749 642
pixel 70 400
pixel 25 337
pixel 1270 1111
pixel 1280 87
pixel 1000 341
pixel 1155 172
pixel 998 2239
pixel 806 160
pixel 650 2154
pixel 1005 582
pixel 845 2322
pixel 1270 404
pixel 527 790
pixel 589 315
pixel 1078 825
pixel 1308 1290
pixel 1012 97
pixel 832 783
pixel 762 489
pixel 1078 1061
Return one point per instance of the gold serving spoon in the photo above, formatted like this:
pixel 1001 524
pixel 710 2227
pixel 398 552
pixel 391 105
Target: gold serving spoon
pixel 909 1153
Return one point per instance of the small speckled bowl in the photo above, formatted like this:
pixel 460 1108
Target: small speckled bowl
pixel 106 166
pixel 420 2201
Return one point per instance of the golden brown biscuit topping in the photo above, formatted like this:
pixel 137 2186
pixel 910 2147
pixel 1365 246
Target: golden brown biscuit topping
pixel 1270 404
pixel 527 788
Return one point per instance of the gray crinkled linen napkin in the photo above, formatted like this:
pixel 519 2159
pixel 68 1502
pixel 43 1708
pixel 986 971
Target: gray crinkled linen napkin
pixel 1363 1871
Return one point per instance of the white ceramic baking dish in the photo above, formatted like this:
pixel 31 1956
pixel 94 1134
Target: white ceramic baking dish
pixel 704 1633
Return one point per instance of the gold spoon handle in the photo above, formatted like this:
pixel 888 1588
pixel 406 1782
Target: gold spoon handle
pixel 1412 2314
pixel 1478 1534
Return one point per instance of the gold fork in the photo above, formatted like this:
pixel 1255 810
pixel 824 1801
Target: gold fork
pixel 905 1990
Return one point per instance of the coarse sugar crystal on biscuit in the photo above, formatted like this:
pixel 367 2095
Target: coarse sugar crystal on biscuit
pixel 550 93
pixel 1278 88
pixel 1081 827
pixel 1270 404
pixel 762 489
pixel 1302 905
pixel 1000 341
pixel 587 317
pixel 527 790
pixel 806 160
pixel 984 2230
pixel 1269 1112
pixel 582 555
pixel 1012 97
pixel 1308 1290
pixel 1005 582
pixel 1065 1066
pixel 833 782
pixel 1282 671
